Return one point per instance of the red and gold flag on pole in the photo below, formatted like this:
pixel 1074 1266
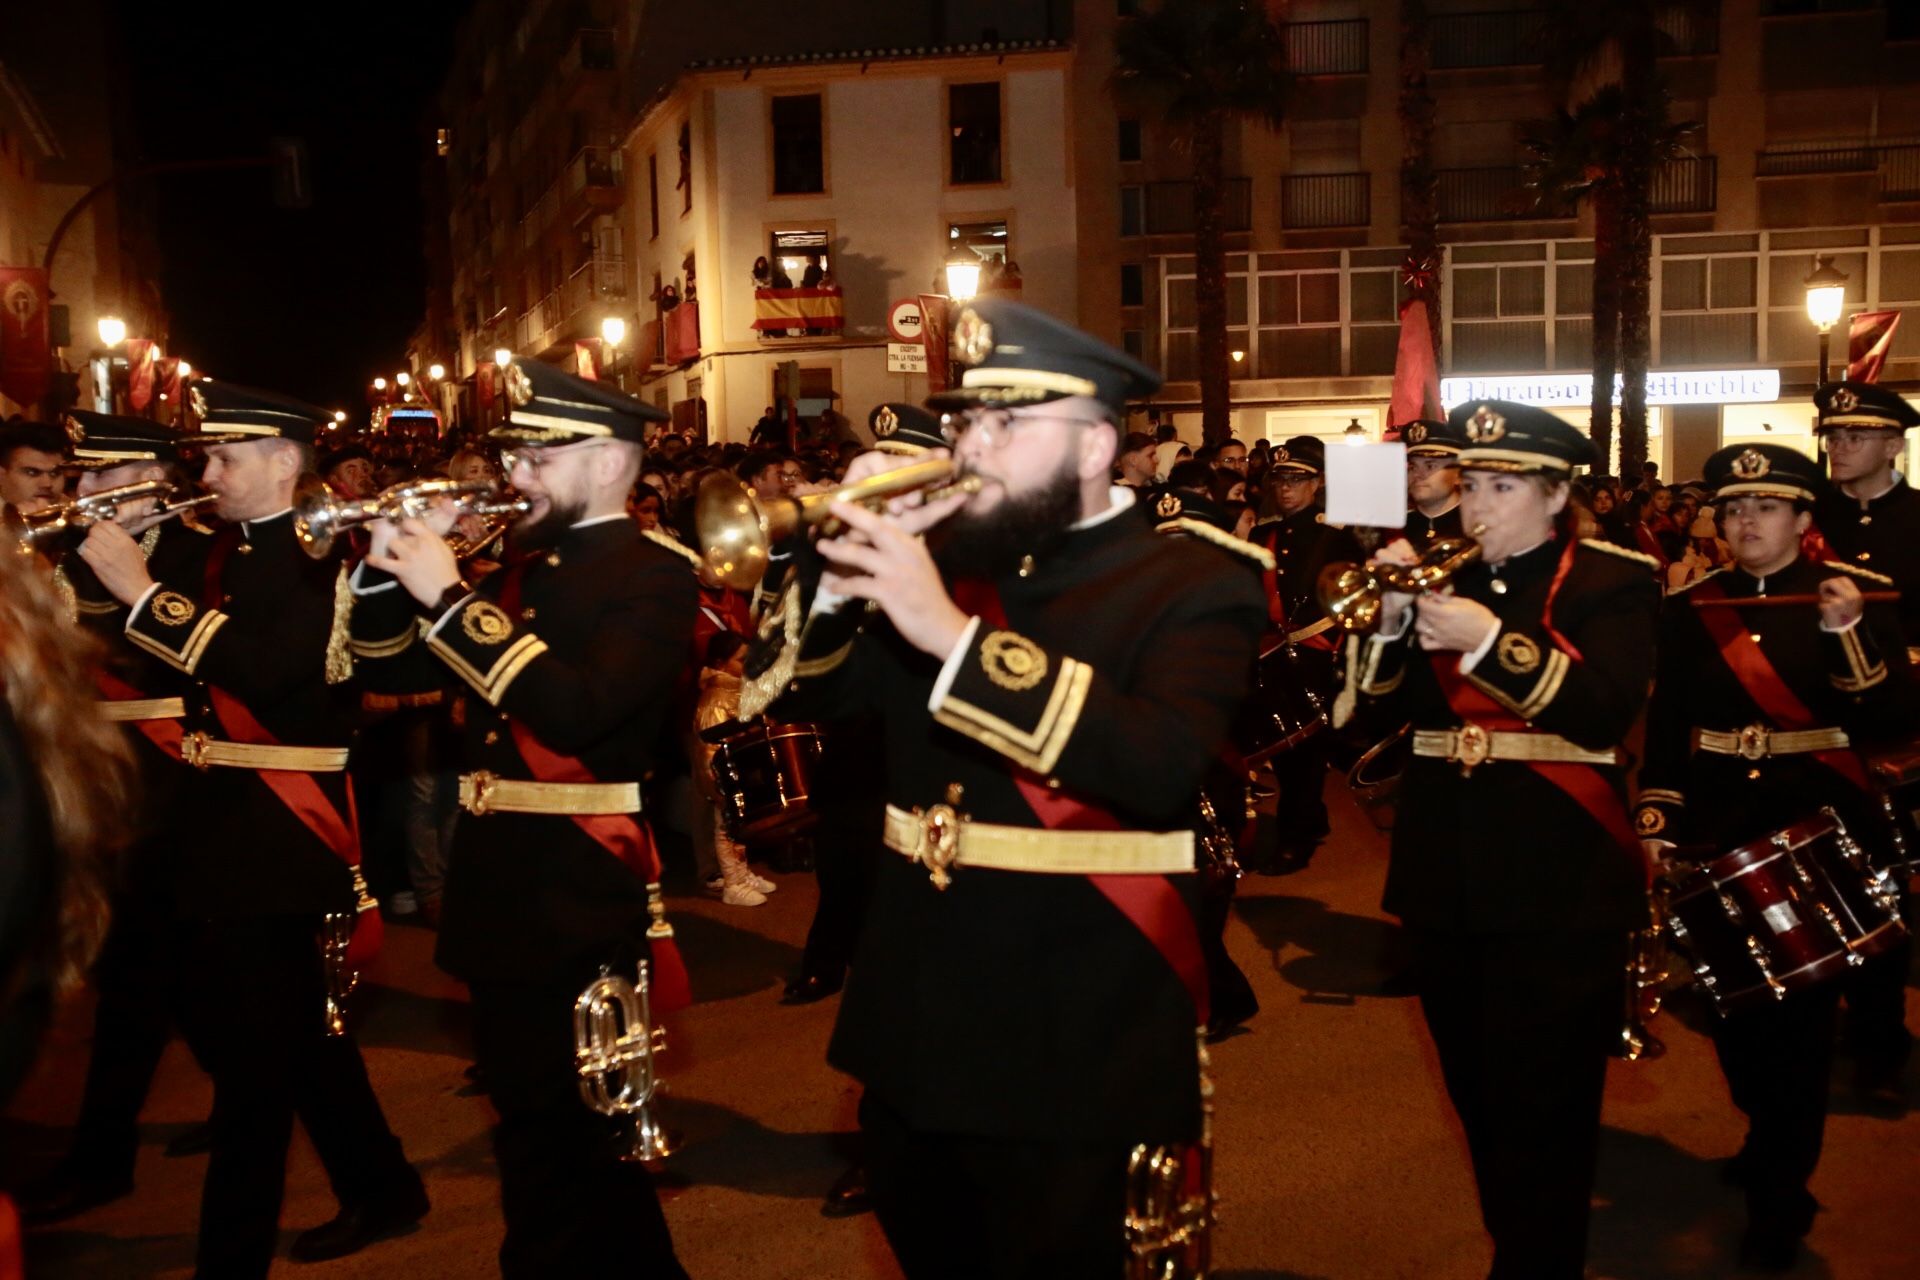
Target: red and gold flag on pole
pixel 1416 378
pixel 1869 338
pixel 26 358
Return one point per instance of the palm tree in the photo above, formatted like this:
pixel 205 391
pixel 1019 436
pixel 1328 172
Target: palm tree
pixel 1208 63
pixel 1419 188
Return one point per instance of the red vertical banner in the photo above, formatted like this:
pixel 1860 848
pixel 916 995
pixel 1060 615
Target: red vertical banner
pixel 1416 378
pixel 26 359
pixel 141 358
pixel 584 363
pixel 484 375
pixel 1869 338
pixel 933 332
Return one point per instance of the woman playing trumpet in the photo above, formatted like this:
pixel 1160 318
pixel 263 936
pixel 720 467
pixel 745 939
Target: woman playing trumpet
pixel 1521 879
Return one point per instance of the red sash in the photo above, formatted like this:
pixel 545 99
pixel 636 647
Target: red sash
pixel 1763 683
pixel 1149 902
pixel 624 835
pixel 1584 784
pixel 299 792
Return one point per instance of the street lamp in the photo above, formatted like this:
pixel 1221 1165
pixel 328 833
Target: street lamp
pixel 339 415
pixel 436 371
pixel 1355 433
pixel 1826 297
pixel 379 384
pixel 502 357
pixel 113 331
pixel 963 274
pixel 186 370
pixel 613 331
pixel 403 378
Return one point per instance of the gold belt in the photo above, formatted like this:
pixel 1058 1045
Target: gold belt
pixel 122 709
pixel 1471 745
pixel 202 752
pixel 488 793
pixel 941 839
pixel 1757 742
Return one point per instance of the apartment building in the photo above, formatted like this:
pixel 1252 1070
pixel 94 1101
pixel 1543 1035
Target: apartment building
pixel 1809 143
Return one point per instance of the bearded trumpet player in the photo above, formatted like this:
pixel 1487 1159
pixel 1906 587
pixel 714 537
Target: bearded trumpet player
pixel 1025 1002
pixel 566 660
pixel 259 632
pixel 1521 880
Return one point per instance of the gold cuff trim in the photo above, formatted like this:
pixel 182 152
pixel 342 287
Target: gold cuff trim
pixel 1040 748
pixel 96 607
pixel 1661 795
pixel 483 792
pixel 492 683
pixel 202 752
pixel 1553 674
pixel 941 840
pixel 384 648
pixel 1864 675
pixel 188 656
pixel 1470 745
pixel 124 709
pixel 1757 742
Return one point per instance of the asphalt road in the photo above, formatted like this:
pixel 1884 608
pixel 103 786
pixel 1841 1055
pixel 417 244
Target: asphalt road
pixel 1337 1156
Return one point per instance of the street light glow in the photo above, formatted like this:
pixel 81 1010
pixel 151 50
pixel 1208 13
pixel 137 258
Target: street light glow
pixel 379 384
pixel 436 371
pixel 186 370
pixel 113 331
pixel 963 275
pixel 403 378
pixel 1826 293
pixel 502 357
pixel 614 330
pixel 339 415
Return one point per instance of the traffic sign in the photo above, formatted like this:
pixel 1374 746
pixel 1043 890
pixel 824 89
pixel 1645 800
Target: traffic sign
pixel 906 357
pixel 904 320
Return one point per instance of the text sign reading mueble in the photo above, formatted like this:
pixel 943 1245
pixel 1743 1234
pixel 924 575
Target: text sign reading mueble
pixel 1575 390
pixel 904 321
pixel 906 357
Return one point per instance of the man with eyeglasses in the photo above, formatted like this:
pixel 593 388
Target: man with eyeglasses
pixel 567 661
pixel 1871 518
pixel 32 461
pixel 1052 680
pixel 1301 639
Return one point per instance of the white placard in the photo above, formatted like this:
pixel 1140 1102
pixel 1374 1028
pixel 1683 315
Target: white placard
pixel 1367 484
pixel 906 357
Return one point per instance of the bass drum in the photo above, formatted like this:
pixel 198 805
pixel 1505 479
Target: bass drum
pixel 764 773
pixel 1288 704
pixel 1791 910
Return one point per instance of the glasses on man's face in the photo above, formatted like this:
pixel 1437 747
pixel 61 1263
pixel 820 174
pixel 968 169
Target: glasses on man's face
pixel 1848 438
pixel 994 427
pixel 536 458
pixel 1293 479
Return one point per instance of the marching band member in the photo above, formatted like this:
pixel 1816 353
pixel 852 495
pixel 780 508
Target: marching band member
pixel 569 657
pixel 1871 518
pixel 1433 480
pixel 1024 1006
pixel 1754 716
pixel 260 630
pixel 1514 867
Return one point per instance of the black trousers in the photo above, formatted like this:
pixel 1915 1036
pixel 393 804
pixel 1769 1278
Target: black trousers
pixel 1776 1058
pixel 132 1022
pixel 572 1206
pixel 958 1207
pixel 1523 1024
pixel 846 850
pixel 1300 811
pixel 252 1003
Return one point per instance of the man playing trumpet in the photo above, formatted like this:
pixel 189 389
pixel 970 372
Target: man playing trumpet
pixel 1024 1005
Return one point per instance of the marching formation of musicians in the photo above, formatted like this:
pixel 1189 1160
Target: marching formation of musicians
pixel 1635 732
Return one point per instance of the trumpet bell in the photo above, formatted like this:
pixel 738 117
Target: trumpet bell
pixel 735 540
pixel 316 518
pixel 1350 594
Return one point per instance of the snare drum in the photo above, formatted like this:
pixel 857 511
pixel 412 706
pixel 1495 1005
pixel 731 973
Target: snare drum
pixel 1896 784
pixel 1288 703
pixel 1791 910
pixel 764 773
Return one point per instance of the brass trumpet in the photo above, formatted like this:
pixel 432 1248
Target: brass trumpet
pixel 737 531
pixel 319 517
pixel 614 1044
pixel 47 529
pixel 1352 593
pixel 1170 1207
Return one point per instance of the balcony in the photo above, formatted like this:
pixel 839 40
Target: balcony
pixel 570 311
pixel 1170 206
pixel 1327 48
pixel 1498 38
pixel 1315 200
pixel 1686 185
pixel 1688 31
pixel 1895 161
pixel 1493 194
pixel 590 184
pixel 1900 172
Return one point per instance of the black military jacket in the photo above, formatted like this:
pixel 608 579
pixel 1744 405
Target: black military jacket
pixel 1880 536
pixel 266 641
pixel 1423 530
pixel 1023 1004
pixel 1302 544
pixel 1501 849
pixel 1857 680
pixel 588 663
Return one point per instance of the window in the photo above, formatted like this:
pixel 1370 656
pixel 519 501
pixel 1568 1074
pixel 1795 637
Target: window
pixel 1129 141
pixel 1133 285
pixel 1133 211
pixel 685 180
pixel 800 259
pixel 973 126
pixel 799 161
pixel 653 195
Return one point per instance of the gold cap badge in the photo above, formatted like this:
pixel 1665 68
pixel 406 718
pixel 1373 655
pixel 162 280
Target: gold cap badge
pixel 1168 506
pixel 1415 432
pixel 1751 465
pixel 885 422
pixel 1486 426
pixel 972 338
pixel 519 386
pixel 1844 400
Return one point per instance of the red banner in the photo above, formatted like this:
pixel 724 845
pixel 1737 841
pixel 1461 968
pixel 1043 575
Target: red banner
pixel 1869 338
pixel 933 332
pixel 586 361
pixel 141 354
pixel 170 388
pixel 1416 378
pixel 683 332
pixel 26 359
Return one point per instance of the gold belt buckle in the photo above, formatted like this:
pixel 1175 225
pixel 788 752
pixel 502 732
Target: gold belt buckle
pixel 940 838
pixel 1754 742
pixel 1471 746
pixel 479 792
pixel 193 749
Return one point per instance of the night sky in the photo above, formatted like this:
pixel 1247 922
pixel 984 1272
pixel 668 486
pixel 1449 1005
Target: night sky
pixel 311 302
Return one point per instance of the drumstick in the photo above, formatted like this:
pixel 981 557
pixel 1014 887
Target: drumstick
pixel 1761 602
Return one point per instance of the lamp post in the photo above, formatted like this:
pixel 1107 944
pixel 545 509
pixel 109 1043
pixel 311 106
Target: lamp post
pixel 962 270
pixel 113 331
pixel 436 371
pixel 1826 297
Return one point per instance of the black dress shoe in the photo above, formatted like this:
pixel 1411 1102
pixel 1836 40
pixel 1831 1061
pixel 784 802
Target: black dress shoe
pixel 848 1194
pixel 196 1141
pixel 808 988
pixel 67 1193
pixel 357 1226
